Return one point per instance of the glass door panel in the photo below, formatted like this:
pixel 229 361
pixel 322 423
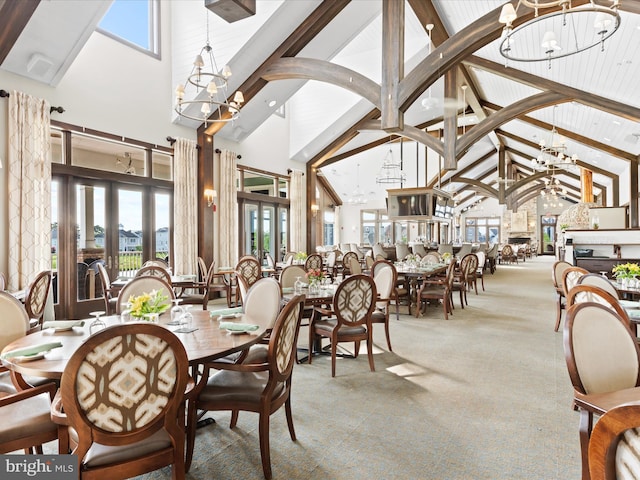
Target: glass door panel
pixel 548 228
pixel 162 227
pixel 268 242
pixel 90 225
pixel 283 215
pixel 251 236
pixel 55 252
pixel 130 235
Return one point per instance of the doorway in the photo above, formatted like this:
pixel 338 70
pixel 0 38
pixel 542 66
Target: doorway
pixel 548 229
pixel 263 229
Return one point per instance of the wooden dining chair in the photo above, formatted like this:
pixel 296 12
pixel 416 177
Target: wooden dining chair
pixel 249 270
pixel 613 451
pixel 439 290
pixel 602 355
pixel 353 304
pixel 385 277
pixel 599 281
pixel 155 271
pixel 36 299
pixel 568 279
pixel 110 294
pixel 313 261
pixel 25 420
pixel 256 387
pixel 123 393
pixel 557 270
pixel 347 263
pixel 140 285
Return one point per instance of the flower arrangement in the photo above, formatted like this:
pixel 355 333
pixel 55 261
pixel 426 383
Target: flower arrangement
pixel 626 270
pixel 154 302
pixel 315 275
pixel 300 256
pixel 411 258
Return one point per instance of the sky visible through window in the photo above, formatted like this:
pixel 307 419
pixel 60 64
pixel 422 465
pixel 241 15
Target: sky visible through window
pixel 129 19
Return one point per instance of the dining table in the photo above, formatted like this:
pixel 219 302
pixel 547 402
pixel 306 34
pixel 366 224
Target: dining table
pixel 204 340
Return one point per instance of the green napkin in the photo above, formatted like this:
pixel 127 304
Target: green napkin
pixel 63 324
pixel 288 290
pixel 33 350
pixel 225 311
pixel 238 327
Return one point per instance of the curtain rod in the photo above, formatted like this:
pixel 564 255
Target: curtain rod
pixel 172 140
pixel 218 151
pixel 5 94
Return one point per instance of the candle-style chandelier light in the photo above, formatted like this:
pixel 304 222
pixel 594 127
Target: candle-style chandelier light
pixel 564 31
pixel 209 95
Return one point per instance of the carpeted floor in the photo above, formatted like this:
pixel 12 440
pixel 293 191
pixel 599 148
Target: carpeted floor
pixel 484 395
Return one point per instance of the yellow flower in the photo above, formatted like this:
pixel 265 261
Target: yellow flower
pixel 153 302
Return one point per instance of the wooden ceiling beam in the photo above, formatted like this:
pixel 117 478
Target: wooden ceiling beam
pixel 392 118
pixel 301 36
pixel 14 16
pixel 616 152
pixel 601 103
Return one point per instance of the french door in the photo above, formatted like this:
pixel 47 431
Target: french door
pixel 548 229
pixel 263 229
pixel 118 225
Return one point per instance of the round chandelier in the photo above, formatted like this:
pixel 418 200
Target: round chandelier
pixel 390 171
pixel 560 33
pixel 553 154
pixel 552 193
pixel 358 196
pixel 209 85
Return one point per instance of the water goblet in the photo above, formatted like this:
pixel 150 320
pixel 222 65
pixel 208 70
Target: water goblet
pixel 97 324
pixel 187 317
pixel 176 311
pixel 298 285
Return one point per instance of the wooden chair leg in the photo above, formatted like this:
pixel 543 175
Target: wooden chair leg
pixel 370 353
pixel 334 352
pixel 386 332
pixel 264 444
pixel 586 424
pixel 558 313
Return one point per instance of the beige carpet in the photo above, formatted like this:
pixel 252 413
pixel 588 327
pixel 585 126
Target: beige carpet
pixel 484 395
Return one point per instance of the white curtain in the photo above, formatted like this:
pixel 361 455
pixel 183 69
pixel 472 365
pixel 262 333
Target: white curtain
pixel 185 204
pixel 297 226
pixel 29 184
pixel 227 255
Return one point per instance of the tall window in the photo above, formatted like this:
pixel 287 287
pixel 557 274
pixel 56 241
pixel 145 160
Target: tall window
pixel 134 23
pixel 482 230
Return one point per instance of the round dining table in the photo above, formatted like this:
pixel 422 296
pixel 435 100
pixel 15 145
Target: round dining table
pixel 207 342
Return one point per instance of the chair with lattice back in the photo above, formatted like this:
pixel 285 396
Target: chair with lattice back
pixel 248 271
pixel 137 427
pixel 36 299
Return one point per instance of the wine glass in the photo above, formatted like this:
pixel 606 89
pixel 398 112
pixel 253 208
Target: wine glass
pixel 97 324
pixel 176 311
pixel 298 285
pixel 187 317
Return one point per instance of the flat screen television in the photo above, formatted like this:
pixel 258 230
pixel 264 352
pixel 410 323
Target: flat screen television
pixel 419 203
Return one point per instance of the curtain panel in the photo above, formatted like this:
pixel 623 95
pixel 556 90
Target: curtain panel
pixel 297 227
pixel 227 255
pixel 185 205
pixel 29 184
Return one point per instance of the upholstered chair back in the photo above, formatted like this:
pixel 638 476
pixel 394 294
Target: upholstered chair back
pixel 313 261
pixel 144 284
pixel 289 275
pixel 600 282
pixel 263 300
pixel 557 271
pixel 354 300
pixel 155 271
pixel 15 320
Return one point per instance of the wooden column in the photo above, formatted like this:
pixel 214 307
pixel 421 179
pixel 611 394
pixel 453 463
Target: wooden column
pixel 586 185
pixel 450 120
pixel 502 174
pixel 392 118
pixel 205 180
pixel 633 194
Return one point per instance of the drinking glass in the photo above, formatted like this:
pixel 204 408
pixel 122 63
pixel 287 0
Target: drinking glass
pixel 176 311
pixel 152 317
pixel 187 317
pixel 97 324
pixel 297 287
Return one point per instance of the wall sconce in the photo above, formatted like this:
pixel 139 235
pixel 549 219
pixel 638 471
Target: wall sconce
pixel 314 209
pixel 210 195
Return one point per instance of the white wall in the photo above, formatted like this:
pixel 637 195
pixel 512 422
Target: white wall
pixel 109 87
